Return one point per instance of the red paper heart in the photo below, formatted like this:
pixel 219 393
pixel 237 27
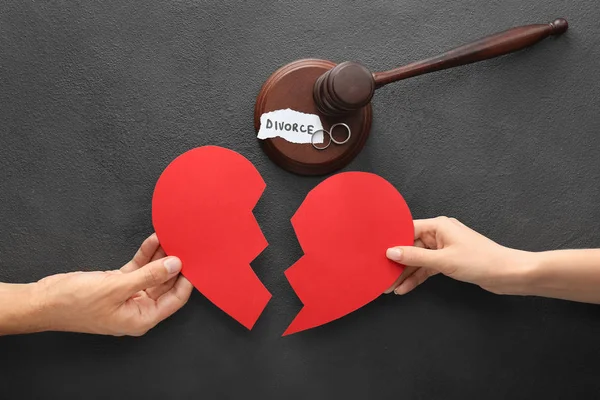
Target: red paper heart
pixel 202 213
pixel 345 226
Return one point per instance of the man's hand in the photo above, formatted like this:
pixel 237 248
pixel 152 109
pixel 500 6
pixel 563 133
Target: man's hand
pixel 129 301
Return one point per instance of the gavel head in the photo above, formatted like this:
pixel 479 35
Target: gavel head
pixel 345 88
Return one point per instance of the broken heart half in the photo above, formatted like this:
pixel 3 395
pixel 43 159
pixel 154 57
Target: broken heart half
pixel 344 226
pixel 202 213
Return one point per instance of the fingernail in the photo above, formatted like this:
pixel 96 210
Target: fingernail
pixel 394 254
pixel 173 265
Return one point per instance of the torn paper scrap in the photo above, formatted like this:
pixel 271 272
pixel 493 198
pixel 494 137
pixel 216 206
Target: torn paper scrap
pixel 293 126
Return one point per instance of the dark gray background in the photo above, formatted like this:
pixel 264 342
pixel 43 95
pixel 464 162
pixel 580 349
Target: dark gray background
pixel 96 98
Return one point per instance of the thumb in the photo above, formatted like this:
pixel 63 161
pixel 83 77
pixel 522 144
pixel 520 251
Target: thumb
pixel 412 256
pixel 152 274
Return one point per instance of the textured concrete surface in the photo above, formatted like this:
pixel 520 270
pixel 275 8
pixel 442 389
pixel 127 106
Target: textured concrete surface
pixel 97 97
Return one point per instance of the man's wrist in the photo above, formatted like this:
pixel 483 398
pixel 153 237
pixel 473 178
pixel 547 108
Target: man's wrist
pixel 21 309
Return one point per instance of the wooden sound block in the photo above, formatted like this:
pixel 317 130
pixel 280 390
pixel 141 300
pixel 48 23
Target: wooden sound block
pixel 291 86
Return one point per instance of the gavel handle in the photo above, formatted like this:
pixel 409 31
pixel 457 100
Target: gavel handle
pixel 489 47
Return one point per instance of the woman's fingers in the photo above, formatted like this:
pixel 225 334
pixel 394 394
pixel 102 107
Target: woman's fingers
pixel 408 271
pixel 414 280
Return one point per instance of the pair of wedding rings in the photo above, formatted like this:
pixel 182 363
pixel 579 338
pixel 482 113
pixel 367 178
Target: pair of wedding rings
pixel 330 134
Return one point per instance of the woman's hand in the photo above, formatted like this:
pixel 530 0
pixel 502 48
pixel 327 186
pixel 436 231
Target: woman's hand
pixel 444 245
pixel 129 301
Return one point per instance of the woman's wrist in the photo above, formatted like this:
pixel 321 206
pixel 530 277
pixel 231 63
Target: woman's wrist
pixel 516 273
pixel 562 274
pixel 527 273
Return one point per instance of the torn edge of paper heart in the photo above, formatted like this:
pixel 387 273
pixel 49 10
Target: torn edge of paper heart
pixel 293 126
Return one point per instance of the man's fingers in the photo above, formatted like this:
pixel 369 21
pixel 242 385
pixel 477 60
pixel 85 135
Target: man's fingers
pixel 152 274
pixel 160 253
pixel 155 292
pixel 174 299
pixel 144 254
pixel 457 222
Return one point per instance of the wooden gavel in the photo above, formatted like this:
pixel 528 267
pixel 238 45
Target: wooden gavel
pixel 342 93
pixel 349 86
